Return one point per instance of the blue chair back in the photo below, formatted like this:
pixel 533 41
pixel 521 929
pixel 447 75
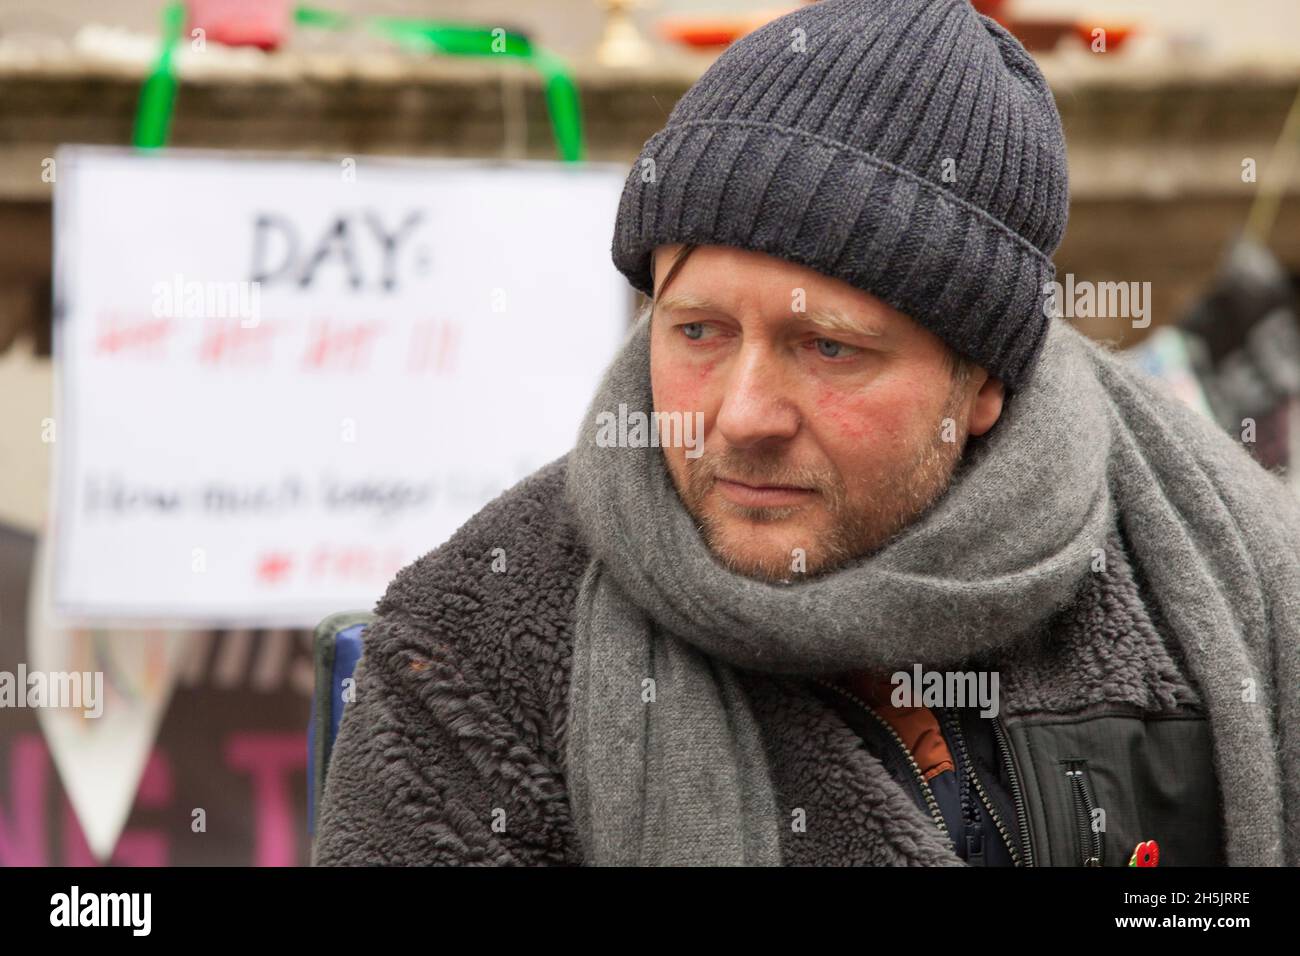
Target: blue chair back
pixel 336 650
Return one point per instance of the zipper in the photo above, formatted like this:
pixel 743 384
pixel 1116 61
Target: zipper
pixel 1090 841
pixel 954 727
pixel 926 792
pixel 1017 795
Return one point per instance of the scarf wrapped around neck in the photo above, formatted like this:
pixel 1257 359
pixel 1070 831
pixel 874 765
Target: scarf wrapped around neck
pixel 665 759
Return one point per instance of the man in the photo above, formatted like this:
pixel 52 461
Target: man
pixel 944 583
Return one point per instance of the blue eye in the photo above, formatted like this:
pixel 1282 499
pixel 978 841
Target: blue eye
pixel 829 348
pixel 693 330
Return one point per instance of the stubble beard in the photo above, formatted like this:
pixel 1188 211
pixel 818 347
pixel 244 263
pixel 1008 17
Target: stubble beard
pixel 860 525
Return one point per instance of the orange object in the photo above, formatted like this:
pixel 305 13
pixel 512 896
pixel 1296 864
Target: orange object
pixel 993 9
pixel 1040 35
pixel 917 726
pixel 714 31
pixel 1115 34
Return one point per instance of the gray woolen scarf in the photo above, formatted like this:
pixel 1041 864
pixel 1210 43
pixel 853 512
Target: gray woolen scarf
pixel 665 759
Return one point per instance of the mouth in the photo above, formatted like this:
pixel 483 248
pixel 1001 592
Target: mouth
pixel 762 496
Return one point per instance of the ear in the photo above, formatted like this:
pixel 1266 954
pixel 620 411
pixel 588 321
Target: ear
pixel 987 405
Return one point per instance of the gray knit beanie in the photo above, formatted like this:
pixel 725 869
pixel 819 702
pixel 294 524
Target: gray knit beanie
pixel 909 147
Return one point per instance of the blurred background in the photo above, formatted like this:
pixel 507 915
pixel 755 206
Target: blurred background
pixel 1182 121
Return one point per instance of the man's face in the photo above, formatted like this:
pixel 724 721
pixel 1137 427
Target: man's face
pixel 831 420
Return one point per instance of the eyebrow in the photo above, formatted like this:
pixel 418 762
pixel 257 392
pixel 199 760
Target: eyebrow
pixel 685 302
pixel 830 320
pixel 833 321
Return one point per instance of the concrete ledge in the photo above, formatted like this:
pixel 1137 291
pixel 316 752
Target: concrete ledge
pixel 1155 147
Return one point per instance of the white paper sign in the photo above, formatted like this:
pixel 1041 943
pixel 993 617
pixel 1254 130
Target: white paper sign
pixel 280 381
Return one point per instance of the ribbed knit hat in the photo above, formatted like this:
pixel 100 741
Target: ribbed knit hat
pixel 909 147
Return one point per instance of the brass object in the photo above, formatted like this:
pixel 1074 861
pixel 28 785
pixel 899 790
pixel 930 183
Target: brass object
pixel 622 43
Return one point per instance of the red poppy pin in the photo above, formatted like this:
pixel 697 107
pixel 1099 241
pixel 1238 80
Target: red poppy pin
pixel 1145 854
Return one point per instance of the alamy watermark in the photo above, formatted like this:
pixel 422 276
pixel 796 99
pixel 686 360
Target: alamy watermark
pixel 66 689
pixel 1098 300
pixel 181 299
pixel 651 430
pixel 922 688
pixel 132 911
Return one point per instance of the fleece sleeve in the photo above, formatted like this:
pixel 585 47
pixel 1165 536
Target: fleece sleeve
pixel 422 771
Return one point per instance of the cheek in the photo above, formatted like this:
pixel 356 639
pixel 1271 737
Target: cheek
pixel 849 417
pixel 688 387
pixel 685 386
pixel 863 426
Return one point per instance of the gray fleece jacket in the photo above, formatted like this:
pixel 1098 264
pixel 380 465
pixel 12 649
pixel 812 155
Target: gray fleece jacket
pixel 453 750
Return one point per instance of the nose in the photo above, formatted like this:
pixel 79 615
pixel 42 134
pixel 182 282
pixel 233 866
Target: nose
pixel 756 406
